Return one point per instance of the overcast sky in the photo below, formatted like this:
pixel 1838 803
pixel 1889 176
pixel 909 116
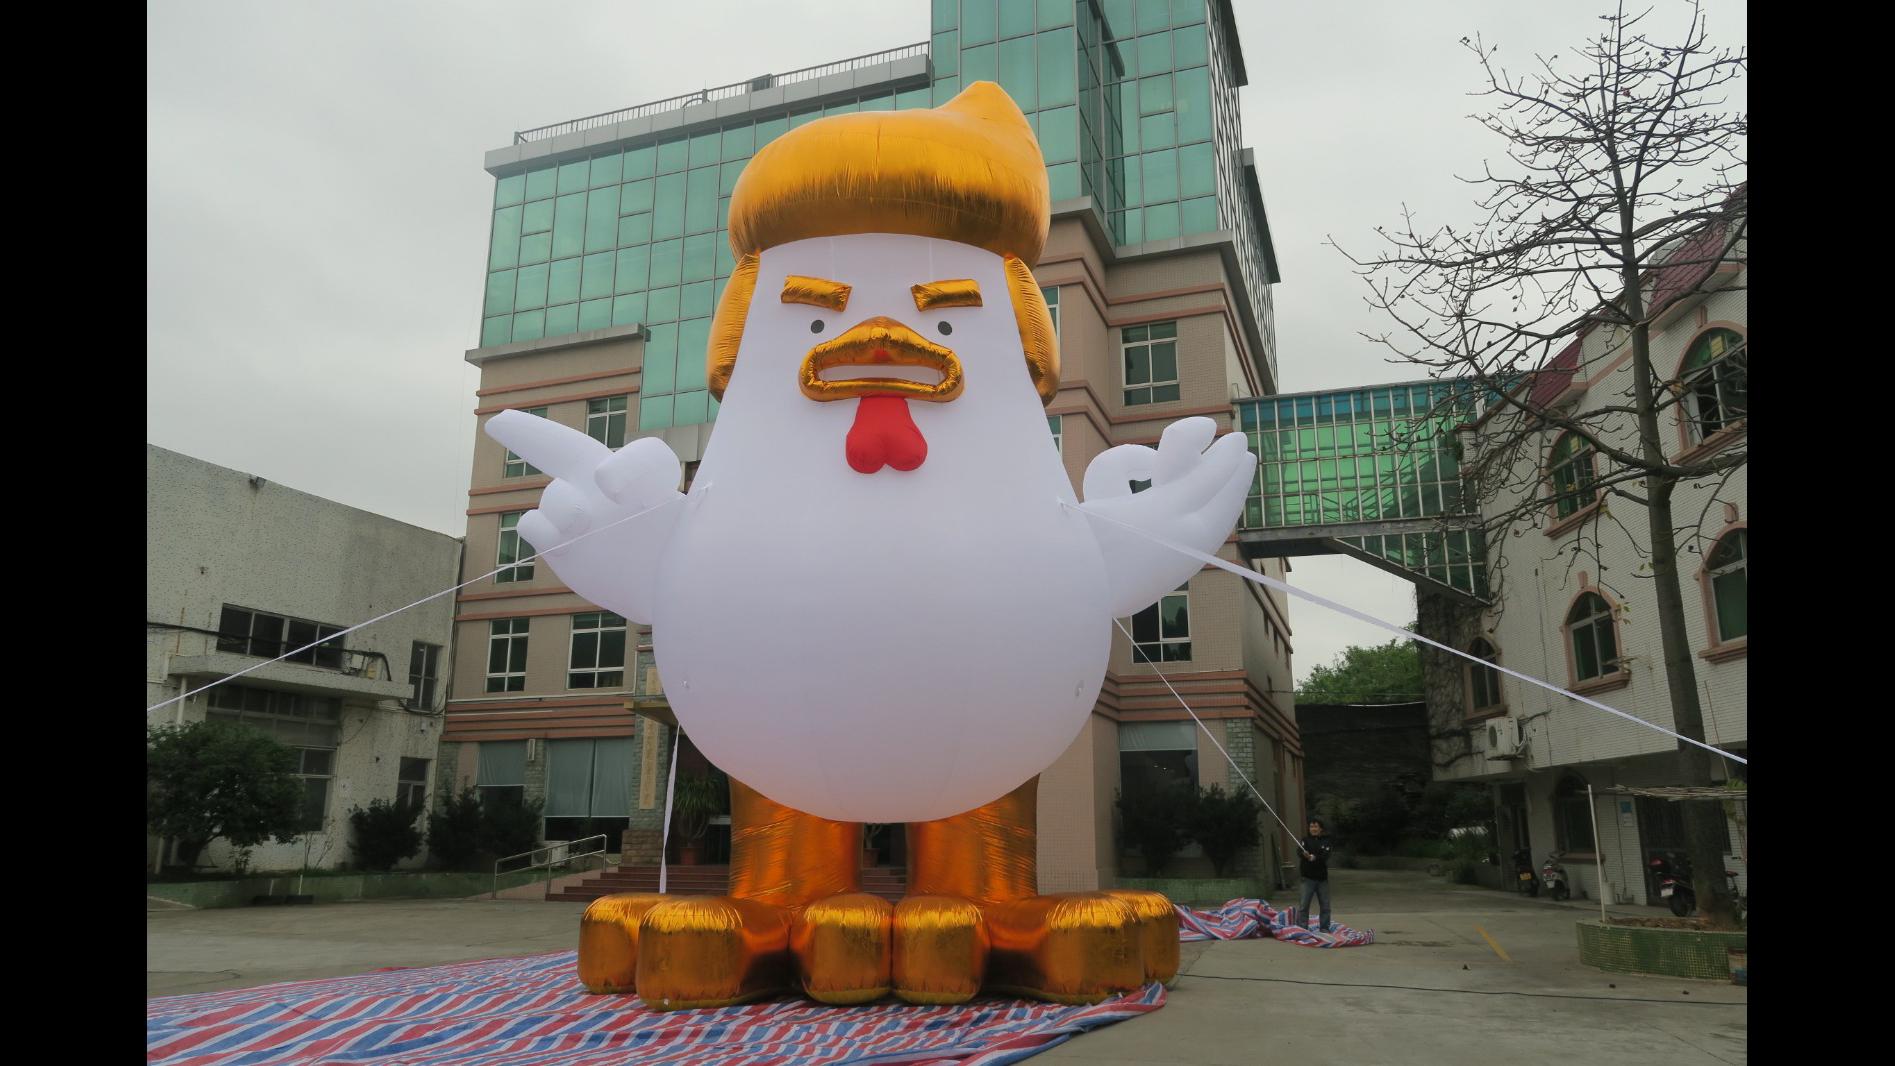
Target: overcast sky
pixel 317 213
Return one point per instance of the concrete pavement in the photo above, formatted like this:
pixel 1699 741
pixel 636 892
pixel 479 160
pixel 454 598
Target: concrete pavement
pixel 1458 976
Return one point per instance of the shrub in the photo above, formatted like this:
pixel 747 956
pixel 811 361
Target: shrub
pixel 1222 824
pixel 454 839
pixel 1469 851
pixel 1154 825
pixel 509 826
pixel 385 833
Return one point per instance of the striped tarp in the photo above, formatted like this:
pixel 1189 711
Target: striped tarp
pixel 1241 919
pixel 532 1011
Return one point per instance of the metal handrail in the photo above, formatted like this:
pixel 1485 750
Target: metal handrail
pixel 722 92
pixel 564 860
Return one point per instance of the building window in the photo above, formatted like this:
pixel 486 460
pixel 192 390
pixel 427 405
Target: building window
pixel 307 725
pixel 268 636
pixel 1591 636
pixel 1161 633
pixel 1056 425
pixel 598 651
pixel 516 466
pixel 513 549
pixel 1051 292
pixel 1483 682
pixel 411 785
pixel 588 789
pixel 506 655
pixel 1716 385
pixel 1155 756
pixel 1572 816
pixel 424 672
pixel 1151 363
pixel 1730 585
pixel 1572 474
pixel 605 420
pixel 502 774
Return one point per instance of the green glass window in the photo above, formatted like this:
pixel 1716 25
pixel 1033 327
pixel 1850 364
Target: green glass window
pixel 1161 222
pixel 540 183
pixel 654 412
pixel 946 13
pixel 705 148
pixel 499 293
pixel 1716 382
pixel 1063 181
pixel 537 217
pixel 1118 18
pixel 980 21
pixel 694 338
pixel 1058 66
pixel 512 550
pixel 1730 585
pixel 628 310
pixel 639 162
pixel 1150 358
pixel 673 155
pixel 530 288
pixel 496 331
pixel 509 190
pixel 727 177
pixel 663 304
pixel 738 141
pixel 602 220
pixel 597 277
pixel 635 197
pixel 1154 94
pixel 606 170
pixel 695 301
pixel 634 229
pixel 562 320
pixel 1186 12
pixel 536 249
pixel 1059 134
pixel 692 408
pixel 945 89
pixel 504 248
pixel 1199 215
pixel 667 215
pixel 945 50
pixel 605 420
pixel 529 325
pixel 595 314
pixel 573 176
pixel 666 260
pixel 661 360
pixel 1572 474
pixel 569 225
pixel 1592 638
pixel 633 268
pixel 1154 52
pixel 1194 104
pixel 1191 47
pixel 563 282
pixel 980 64
pixel 1158 131
pixel 1161 177
pixel 770 129
pixel 700 201
pixel 700 257
pixel 1017 75
pixel 1197 164
pixel 1055 13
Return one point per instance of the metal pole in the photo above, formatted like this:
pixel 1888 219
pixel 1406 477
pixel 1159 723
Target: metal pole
pixel 1598 855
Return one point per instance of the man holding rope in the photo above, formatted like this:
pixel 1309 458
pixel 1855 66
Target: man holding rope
pixel 1315 848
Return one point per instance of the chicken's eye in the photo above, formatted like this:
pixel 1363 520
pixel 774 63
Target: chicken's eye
pixel 945 329
pixel 816 326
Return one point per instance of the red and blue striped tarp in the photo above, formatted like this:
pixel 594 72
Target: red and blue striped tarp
pixel 1241 919
pixel 532 1011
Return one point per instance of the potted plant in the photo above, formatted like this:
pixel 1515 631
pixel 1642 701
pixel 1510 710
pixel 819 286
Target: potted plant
pixel 698 798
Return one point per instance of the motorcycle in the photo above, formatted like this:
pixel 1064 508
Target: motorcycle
pixel 1674 885
pixel 1526 880
pixel 1553 878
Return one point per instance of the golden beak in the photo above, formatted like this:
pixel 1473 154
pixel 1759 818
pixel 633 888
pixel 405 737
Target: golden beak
pixel 881 342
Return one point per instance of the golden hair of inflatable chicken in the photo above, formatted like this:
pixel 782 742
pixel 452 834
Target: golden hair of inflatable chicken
pixel 972 918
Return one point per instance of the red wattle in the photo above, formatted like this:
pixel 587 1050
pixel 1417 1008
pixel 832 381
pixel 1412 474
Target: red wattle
pixel 884 434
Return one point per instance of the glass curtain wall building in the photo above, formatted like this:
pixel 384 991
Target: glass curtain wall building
pixel 1134 103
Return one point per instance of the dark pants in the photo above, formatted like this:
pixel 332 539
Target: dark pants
pixel 1320 890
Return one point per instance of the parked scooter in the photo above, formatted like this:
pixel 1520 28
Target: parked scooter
pixel 1523 874
pixel 1673 872
pixel 1553 878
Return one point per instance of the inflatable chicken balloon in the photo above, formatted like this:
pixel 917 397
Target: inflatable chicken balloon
pixel 877 603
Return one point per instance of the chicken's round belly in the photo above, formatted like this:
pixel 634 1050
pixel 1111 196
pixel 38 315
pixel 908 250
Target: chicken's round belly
pixel 895 667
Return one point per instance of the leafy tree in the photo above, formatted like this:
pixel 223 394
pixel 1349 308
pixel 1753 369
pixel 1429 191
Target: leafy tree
pixel 385 834
pixel 1223 824
pixel 1384 673
pixel 211 780
pixel 1155 824
pixel 454 839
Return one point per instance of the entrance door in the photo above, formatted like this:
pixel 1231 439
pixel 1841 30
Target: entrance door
pixel 1660 832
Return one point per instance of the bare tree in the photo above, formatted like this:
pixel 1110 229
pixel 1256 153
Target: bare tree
pixel 1622 196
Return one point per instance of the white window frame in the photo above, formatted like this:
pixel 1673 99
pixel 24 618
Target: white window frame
pixel 1057 423
pixel 267 637
pixel 1051 295
pixel 515 629
pixel 598 624
pixel 1715 376
pixel 1149 341
pixel 262 709
pixel 599 415
pixel 408 786
pixel 1590 623
pixel 509 551
pixel 1741 537
pixel 1155 650
pixel 514 466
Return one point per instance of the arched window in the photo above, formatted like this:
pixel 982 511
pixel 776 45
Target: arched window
pixel 1572 815
pixel 1483 682
pixel 1571 472
pixel 1716 387
pixel 1591 638
pixel 1727 568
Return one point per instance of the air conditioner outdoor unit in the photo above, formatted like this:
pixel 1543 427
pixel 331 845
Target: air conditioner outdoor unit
pixel 1503 738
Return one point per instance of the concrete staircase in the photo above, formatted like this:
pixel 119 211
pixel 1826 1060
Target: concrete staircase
pixel 888 882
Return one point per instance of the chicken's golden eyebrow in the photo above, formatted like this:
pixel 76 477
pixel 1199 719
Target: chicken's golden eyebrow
pixel 964 292
pixel 817 292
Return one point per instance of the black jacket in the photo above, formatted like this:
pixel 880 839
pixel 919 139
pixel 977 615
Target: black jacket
pixel 1316 869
